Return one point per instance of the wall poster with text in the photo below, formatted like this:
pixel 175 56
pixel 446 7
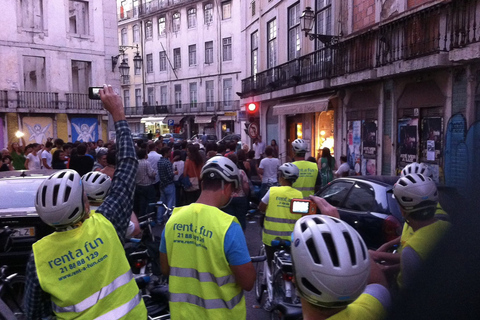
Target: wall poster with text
pixel 407 141
pixel 353 145
pixel 432 132
pixel 84 129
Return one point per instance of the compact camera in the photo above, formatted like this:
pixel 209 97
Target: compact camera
pixel 303 206
pixel 94 93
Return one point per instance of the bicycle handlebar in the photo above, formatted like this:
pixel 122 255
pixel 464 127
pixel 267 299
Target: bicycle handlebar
pixel 259 258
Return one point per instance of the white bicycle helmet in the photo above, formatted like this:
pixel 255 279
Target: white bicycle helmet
pixel 299 146
pixel 416 167
pixel 331 261
pixel 415 192
pixel 289 171
pixel 220 168
pixel 96 185
pixel 59 200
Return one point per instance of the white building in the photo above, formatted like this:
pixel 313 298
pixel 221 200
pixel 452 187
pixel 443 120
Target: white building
pixel 50 53
pixel 191 52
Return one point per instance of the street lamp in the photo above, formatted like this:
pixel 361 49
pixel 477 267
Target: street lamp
pixel 307 19
pixel 124 68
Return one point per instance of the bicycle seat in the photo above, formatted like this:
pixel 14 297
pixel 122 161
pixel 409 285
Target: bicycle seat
pixel 289 311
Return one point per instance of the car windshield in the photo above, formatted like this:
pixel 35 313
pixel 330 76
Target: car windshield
pixel 21 192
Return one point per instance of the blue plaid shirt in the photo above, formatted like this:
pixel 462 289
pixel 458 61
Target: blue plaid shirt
pixel 117 208
pixel 165 172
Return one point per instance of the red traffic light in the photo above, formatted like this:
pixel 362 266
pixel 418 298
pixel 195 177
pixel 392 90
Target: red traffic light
pixel 252 107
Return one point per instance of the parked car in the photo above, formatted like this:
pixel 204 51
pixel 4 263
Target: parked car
pixel 17 211
pixel 368 205
pixel 177 138
pixel 140 136
pixel 209 138
pixel 229 138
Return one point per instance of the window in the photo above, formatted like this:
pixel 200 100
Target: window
pixel 78 17
pixel 177 58
pixel 135 8
pixel 137 70
pixel 126 98
pixel 161 26
pixel 209 93
pixel 149 63
pixel 148 29
pixel 208 8
pixel 136 33
pixel 124 39
pixel 192 55
pixel 34 73
pixel 138 97
pixel 163 95
pixel 192 18
pixel 254 53
pixel 253 7
pixel 178 96
pixel 272 43
pixel 361 198
pixel 209 52
pixel 335 193
pixel 323 21
pixel 227 92
pixel 176 22
pixel 193 95
pixel 151 96
pixel 227 49
pixel 163 61
pixel 81 76
pixel 226 10
pixel 31 14
pixel 294 32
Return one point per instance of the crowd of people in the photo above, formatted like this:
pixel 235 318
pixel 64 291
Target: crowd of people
pixel 203 248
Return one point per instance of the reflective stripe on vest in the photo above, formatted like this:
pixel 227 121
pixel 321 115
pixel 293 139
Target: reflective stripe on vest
pixel 206 303
pixel 305 188
pixel 121 311
pixel 201 276
pixel 279 221
pixel 102 293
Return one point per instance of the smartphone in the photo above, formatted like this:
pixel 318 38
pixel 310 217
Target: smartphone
pixel 94 93
pixel 303 206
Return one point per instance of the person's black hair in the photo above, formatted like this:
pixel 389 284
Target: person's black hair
pixel 58 142
pixel 141 153
pixel 251 154
pixel 343 158
pixel 7 157
pixel 214 184
pixel 242 155
pixel 164 151
pixel 233 157
pixel 326 154
pixel 211 146
pixel 194 155
pixel 48 144
pixel 312 159
pixel 81 149
pixel 269 151
pixel 221 148
pixel 112 157
pixel 67 145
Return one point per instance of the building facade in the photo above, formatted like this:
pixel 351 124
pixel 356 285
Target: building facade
pixel 386 83
pixel 51 52
pixel 191 65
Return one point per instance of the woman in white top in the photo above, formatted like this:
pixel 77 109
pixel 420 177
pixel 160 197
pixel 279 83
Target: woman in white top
pixel 268 169
pixel 32 161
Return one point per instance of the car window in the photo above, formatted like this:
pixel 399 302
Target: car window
pixel 336 192
pixel 21 193
pixel 361 198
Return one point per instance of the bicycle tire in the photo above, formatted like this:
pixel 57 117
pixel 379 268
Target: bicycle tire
pixel 260 286
pixel 13 295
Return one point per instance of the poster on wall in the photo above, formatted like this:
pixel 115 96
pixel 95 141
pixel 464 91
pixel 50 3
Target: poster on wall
pixel 84 129
pixel 432 138
pixel 370 138
pixel 37 129
pixel 354 142
pixel 369 167
pixel 408 140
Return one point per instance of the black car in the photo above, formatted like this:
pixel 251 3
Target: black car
pixel 17 211
pixel 229 138
pixel 205 138
pixel 368 205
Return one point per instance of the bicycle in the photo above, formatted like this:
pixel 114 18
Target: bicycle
pixel 275 280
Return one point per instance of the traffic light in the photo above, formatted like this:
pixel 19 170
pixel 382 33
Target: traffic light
pixel 252 111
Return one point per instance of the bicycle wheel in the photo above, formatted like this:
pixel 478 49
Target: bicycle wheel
pixel 13 296
pixel 260 284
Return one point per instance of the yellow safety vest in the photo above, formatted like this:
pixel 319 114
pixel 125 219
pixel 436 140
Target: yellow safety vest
pixel 308 177
pixel 201 283
pixel 279 222
pixel 86 273
pixel 365 307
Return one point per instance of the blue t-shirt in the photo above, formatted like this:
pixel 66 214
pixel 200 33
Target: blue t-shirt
pixel 235 245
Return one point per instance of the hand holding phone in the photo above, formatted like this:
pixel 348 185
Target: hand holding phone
pixel 303 206
pixel 94 93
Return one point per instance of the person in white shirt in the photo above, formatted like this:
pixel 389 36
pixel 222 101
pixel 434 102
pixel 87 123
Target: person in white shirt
pixel 153 157
pixel 46 155
pixel 344 168
pixel 32 161
pixel 268 169
pixel 259 148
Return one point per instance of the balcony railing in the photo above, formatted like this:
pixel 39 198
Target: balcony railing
pixel 3 99
pixel 37 100
pixel 80 101
pixel 185 108
pixel 435 29
pixel 154 5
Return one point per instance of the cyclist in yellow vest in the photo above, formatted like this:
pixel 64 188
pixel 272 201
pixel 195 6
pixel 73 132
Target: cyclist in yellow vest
pixel 80 271
pixel 204 251
pixel 309 177
pixel 351 286
pixel 279 221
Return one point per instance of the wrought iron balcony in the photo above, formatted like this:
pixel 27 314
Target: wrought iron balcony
pixel 184 108
pixel 439 28
pixel 80 101
pixel 37 100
